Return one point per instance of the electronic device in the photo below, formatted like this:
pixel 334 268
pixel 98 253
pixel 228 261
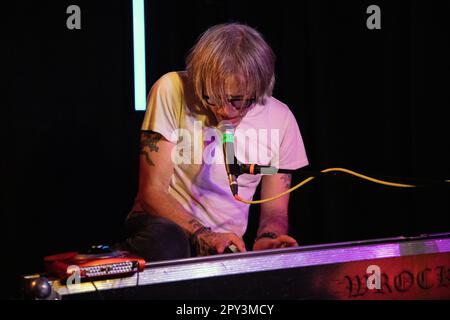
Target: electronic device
pixel 97 262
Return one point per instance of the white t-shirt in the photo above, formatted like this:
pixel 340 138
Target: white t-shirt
pixel 267 135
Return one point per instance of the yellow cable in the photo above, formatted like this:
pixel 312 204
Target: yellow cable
pixel 237 197
pixel 391 184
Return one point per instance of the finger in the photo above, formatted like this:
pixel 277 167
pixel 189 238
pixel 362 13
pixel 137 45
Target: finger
pixel 223 244
pixel 220 248
pixel 238 242
pixel 288 245
pixel 289 241
pixel 266 243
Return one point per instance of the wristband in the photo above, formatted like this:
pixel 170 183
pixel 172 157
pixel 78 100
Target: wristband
pixel 271 235
pixel 198 231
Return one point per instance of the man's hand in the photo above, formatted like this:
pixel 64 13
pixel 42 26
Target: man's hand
pixel 209 243
pixel 282 241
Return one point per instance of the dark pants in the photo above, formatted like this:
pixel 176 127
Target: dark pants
pixel 155 238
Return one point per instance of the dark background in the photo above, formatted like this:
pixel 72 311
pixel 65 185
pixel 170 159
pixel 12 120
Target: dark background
pixel 373 101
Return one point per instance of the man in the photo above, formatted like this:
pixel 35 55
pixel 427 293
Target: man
pixel 184 204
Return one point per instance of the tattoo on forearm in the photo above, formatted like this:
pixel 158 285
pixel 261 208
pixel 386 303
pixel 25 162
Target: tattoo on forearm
pixel 201 238
pixel 287 180
pixel 195 224
pixel 149 141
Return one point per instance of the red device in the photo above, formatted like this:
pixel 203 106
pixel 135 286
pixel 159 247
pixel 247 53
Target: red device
pixel 98 262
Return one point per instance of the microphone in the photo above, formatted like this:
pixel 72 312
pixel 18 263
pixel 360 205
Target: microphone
pixel 233 171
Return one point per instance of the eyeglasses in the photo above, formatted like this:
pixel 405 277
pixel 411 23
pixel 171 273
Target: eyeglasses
pixel 238 103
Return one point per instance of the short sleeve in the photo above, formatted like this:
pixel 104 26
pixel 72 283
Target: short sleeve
pixel 292 154
pixel 164 107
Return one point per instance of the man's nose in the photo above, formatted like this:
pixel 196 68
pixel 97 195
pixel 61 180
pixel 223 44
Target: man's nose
pixel 230 110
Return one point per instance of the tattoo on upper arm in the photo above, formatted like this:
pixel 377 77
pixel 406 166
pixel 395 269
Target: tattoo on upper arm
pixel 149 141
pixel 287 180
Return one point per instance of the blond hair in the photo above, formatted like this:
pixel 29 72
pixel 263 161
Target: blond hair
pixel 231 50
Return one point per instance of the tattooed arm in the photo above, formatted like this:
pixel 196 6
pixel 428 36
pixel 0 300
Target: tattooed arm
pixel 155 172
pixel 274 214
